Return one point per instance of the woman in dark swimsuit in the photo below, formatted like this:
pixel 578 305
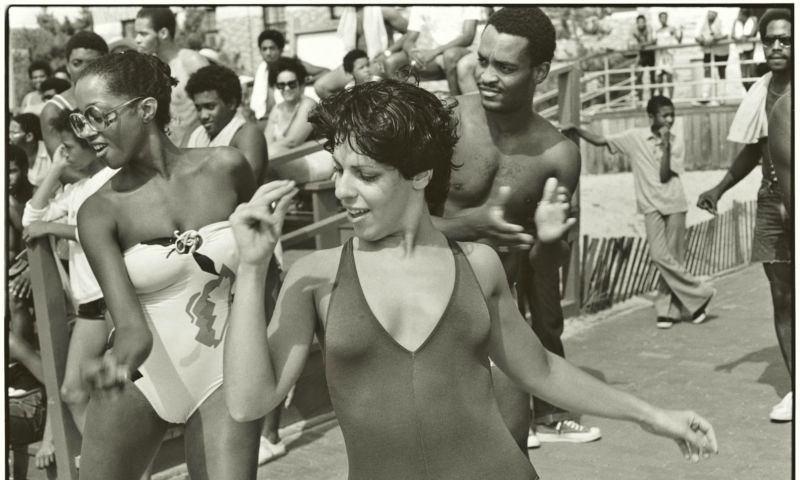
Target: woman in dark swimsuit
pixel 407 319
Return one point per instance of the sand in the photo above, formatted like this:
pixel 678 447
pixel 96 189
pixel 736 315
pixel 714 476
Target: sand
pixel 608 207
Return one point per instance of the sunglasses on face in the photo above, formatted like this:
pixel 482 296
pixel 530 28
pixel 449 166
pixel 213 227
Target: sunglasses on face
pixel 93 120
pixel 784 40
pixel 292 84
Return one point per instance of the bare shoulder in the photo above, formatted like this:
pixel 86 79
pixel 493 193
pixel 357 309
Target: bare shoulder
pixel 226 159
pixel 100 208
pixel 320 266
pixel 308 103
pixel 485 263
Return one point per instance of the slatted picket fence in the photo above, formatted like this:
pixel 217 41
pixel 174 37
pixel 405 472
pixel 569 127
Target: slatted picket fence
pixel 617 268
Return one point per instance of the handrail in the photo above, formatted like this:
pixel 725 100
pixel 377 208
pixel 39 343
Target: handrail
pixel 305 148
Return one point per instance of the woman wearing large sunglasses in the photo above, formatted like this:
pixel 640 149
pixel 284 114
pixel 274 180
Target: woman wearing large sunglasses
pixel 158 240
pixel 288 125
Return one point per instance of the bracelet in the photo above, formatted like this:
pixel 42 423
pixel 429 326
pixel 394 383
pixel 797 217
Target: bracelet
pixel 387 53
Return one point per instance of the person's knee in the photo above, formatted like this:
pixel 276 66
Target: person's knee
pixel 451 56
pixel 395 62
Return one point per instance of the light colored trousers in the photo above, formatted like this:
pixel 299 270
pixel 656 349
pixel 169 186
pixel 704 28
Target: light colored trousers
pixel 678 290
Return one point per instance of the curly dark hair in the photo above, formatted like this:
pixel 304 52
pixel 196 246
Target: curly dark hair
pixel 39 65
pixel 132 74
pixel 396 124
pixel 61 124
pixel 275 36
pixel 771 15
pixel 350 59
pixel 218 79
pixel 87 40
pixel 284 64
pixel 22 191
pixel 656 102
pixel 29 122
pixel 530 23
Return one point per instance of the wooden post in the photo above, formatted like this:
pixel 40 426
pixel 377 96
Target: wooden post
pixel 51 320
pixel 569 113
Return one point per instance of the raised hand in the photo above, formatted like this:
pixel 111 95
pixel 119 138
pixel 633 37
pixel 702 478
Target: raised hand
pixel 257 224
pixel 693 434
pixel 488 221
pixel 552 214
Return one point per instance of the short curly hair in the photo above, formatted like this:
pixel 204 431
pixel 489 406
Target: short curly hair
pixel 656 102
pixel 350 58
pixel 275 36
pixel 87 40
pixel 396 124
pixel 218 79
pixel 771 15
pixel 39 65
pixel 530 23
pixel 132 74
pixel 284 64
pixel 29 123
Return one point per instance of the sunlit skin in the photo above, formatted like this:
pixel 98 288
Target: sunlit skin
pixel 291 95
pixel 361 70
pixel 37 78
pixel 78 156
pixel 269 51
pixel 376 196
pixel 112 144
pixel 503 73
pixel 146 37
pixel 213 111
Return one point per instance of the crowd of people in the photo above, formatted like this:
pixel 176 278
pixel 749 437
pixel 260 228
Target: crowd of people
pixel 462 203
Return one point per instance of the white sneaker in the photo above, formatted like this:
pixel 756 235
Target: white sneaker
pixel 782 412
pixel 567 431
pixel 268 451
pixel 533 440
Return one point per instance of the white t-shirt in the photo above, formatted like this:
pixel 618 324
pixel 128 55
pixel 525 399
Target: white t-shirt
pixel 64 206
pixel 440 25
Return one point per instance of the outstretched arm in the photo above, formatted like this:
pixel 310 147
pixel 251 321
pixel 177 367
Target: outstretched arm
pixel 518 352
pixel 588 135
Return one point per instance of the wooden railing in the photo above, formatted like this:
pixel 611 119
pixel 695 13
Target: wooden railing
pixel 622 94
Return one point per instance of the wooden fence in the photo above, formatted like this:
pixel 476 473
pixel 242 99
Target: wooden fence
pixel 615 269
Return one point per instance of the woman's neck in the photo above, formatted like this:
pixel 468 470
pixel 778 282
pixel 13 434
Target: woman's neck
pixel 418 231
pixel 155 156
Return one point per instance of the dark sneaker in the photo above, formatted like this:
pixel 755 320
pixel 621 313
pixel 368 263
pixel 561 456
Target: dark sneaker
pixel 701 314
pixel 665 323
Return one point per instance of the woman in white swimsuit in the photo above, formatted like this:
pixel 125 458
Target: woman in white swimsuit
pixel 158 240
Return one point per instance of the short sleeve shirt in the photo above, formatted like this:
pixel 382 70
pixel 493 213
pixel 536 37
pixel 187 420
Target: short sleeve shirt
pixel 645 151
pixel 441 24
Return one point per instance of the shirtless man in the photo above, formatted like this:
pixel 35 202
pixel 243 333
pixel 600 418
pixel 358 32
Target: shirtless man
pixel 353 37
pixel 155 35
pixel 507 152
pixel 772 239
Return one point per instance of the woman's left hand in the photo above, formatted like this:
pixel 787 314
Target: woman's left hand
pixel 20 286
pixel 552 214
pixel 693 433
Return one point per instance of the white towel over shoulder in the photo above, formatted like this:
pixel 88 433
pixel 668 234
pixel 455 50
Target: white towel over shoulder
pixel 750 122
pixel 200 138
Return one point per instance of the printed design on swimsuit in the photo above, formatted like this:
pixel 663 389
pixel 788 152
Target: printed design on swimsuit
pixel 216 296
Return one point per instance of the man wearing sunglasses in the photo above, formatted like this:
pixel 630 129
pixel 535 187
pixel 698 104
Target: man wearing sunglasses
pixel 155 35
pixel 772 242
